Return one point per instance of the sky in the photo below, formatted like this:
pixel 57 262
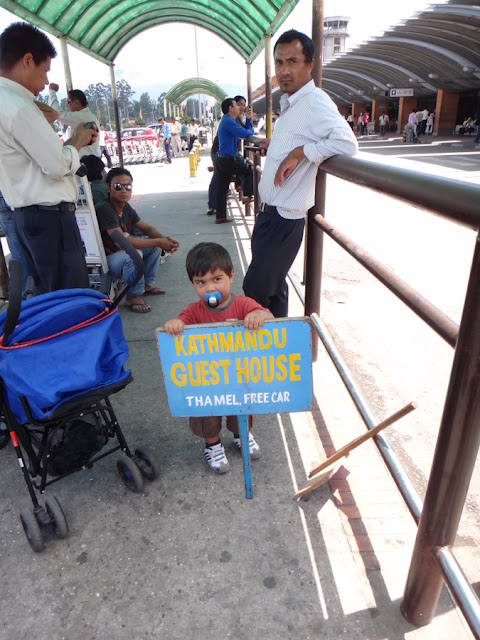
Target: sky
pixel 160 57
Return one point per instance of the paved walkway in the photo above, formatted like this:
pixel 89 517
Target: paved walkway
pixel 190 558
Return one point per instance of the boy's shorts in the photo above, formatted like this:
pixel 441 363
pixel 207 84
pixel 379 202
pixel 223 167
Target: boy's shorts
pixel 210 426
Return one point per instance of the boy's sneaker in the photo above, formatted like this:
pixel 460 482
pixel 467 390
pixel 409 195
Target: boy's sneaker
pixel 255 451
pixel 216 458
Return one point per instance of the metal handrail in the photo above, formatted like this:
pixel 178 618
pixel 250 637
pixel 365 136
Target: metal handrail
pixel 452 199
pixel 459 438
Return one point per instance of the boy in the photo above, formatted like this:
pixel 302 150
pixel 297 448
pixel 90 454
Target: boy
pixel 210 269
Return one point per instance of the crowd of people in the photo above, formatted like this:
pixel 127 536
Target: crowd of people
pixel 37 181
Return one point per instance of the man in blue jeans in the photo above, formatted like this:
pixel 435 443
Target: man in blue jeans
pixel 116 214
pixel 167 138
pixel 7 224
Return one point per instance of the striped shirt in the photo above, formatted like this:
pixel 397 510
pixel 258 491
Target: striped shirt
pixel 310 119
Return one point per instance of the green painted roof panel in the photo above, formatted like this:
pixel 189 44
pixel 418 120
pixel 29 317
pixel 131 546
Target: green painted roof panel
pixel 189 87
pixel 103 27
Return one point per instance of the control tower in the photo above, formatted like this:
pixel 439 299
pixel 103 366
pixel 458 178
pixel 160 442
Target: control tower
pixel 334 36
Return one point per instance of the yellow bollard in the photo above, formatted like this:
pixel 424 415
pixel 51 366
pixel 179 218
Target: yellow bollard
pixel 193 164
pixel 197 146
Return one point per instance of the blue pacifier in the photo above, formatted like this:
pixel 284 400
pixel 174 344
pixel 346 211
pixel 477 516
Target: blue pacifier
pixel 213 299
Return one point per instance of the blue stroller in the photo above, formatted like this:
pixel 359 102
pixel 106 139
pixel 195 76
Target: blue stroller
pixel 62 355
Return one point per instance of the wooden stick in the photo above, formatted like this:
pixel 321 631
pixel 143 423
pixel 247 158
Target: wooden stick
pixel 329 466
pixel 324 476
pixel 363 438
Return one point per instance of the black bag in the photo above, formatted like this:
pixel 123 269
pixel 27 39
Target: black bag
pixel 73 446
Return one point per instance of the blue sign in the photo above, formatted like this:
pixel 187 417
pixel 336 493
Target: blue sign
pixel 221 369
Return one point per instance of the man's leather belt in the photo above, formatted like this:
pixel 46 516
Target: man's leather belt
pixel 267 208
pixel 63 207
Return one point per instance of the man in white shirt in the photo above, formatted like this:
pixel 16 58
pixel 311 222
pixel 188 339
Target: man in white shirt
pixel 175 129
pixel 102 142
pixel 192 133
pixel 383 121
pixel 423 123
pixel 36 170
pixel 309 130
pixel 77 113
pixel 411 127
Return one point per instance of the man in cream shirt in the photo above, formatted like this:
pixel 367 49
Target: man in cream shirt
pixel 36 169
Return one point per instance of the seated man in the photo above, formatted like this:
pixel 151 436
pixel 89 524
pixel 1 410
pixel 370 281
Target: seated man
pixel 116 214
pixel 96 178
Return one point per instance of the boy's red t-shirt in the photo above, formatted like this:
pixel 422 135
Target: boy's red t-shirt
pixel 200 313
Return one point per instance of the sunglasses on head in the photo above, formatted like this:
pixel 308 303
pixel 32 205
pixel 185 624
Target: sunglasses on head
pixel 118 187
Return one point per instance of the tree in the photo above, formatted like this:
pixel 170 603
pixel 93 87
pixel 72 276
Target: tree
pixel 161 110
pixel 99 98
pixel 42 98
pixel 124 96
pixel 145 106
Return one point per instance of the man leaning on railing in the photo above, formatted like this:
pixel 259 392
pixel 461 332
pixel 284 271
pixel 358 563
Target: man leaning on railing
pixel 310 130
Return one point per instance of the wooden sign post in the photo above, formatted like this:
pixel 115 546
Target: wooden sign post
pixel 221 369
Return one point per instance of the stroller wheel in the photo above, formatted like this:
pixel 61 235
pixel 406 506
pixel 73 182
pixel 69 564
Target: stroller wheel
pixel 147 463
pixel 32 530
pixel 57 517
pixel 130 474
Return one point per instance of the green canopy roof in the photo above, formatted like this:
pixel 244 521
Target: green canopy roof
pixel 103 27
pixel 191 86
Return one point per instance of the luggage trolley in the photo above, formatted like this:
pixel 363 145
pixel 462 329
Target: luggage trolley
pixel 91 237
pixel 62 355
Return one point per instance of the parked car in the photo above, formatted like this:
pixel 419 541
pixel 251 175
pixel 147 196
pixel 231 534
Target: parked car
pixel 156 129
pixel 140 134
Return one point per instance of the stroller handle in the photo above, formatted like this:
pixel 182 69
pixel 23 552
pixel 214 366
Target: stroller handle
pixel 15 285
pixel 120 239
pixel 14 300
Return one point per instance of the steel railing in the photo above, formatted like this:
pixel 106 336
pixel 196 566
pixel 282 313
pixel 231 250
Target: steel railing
pixel 458 441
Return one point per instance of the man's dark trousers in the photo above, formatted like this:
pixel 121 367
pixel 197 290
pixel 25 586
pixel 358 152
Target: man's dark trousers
pixel 275 244
pixel 53 248
pixel 168 149
pixel 226 166
pixel 213 186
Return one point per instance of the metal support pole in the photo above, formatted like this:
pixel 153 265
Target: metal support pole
pixel 118 126
pixel 257 163
pixel 249 82
pixel 66 63
pixel 268 85
pixel 314 240
pixel 453 463
pixel 314 256
pixel 317 37
pixel 247 469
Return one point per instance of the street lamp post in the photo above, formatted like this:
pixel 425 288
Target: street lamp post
pixel 198 76
pixel 107 104
pixel 98 108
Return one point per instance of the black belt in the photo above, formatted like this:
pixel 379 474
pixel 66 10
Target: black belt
pixel 63 207
pixel 267 208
